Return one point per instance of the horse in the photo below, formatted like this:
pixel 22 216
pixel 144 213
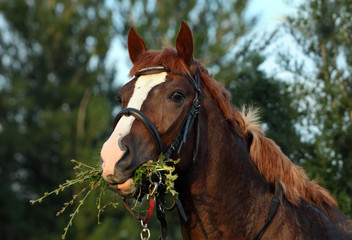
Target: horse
pixel 233 181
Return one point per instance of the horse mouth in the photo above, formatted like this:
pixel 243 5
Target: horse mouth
pixel 125 189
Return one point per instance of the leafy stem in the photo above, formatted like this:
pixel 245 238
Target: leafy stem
pixel 72 216
pixel 164 167
pixel 90 179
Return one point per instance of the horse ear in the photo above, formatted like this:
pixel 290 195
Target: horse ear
pixel 135 45
pixel 184 43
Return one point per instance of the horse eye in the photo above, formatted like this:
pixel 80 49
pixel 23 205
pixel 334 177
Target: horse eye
pixel 177 96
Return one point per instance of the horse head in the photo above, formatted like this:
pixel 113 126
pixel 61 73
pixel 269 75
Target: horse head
pixel 155 105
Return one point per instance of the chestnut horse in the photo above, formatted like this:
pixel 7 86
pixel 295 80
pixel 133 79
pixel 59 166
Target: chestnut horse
pixel 229 173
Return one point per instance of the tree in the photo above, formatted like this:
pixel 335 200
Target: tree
pixel 53 105
pixel 252 87
pixel 322 31
pixel 217 25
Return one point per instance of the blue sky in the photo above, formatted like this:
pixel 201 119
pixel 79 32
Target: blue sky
pixel 270 11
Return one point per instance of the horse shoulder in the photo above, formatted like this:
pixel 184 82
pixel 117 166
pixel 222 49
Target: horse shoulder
pixel 307 222
pixel 343 222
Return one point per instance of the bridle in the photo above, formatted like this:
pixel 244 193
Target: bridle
pixel 176 144
pixel 192 116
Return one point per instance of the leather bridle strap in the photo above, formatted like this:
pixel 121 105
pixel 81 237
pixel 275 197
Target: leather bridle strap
pixel 192 117
pixel 146 122
pixel 275 202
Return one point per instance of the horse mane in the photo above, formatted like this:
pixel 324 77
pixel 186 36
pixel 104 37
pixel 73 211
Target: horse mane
pixel 274 165
pixel 266 155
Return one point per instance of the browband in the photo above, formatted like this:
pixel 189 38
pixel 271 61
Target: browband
pixel 151 70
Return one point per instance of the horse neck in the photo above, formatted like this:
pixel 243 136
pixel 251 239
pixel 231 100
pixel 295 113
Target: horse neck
pixel 218 191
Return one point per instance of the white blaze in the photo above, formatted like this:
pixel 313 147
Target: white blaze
pixel 112 150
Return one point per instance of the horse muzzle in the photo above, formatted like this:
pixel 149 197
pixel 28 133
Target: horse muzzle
pixel 127 149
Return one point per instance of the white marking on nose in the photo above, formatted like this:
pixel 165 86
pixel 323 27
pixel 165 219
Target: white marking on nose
pixel 113 150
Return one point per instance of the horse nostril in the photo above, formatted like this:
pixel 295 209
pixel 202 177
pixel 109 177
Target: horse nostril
pixel 127 152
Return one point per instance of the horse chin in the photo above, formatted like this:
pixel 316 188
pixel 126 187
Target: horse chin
pixel 125 189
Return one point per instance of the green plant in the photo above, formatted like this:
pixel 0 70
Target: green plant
pixel 163 167
pixel 90 179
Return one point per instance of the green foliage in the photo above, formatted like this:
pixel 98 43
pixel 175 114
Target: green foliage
pixel 90 180
pixel 252 87
pixel 53 88
pixel 217 25
pixel 163 168
pixel 322 30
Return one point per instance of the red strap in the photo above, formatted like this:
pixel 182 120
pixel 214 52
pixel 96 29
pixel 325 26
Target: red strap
pixel 146 218
pixel 150 210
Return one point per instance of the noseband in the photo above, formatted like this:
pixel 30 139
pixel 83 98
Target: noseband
pixel 146 122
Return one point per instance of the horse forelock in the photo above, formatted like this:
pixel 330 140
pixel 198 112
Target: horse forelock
pixel 267 156
pixel 274 165
pixel 167 58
